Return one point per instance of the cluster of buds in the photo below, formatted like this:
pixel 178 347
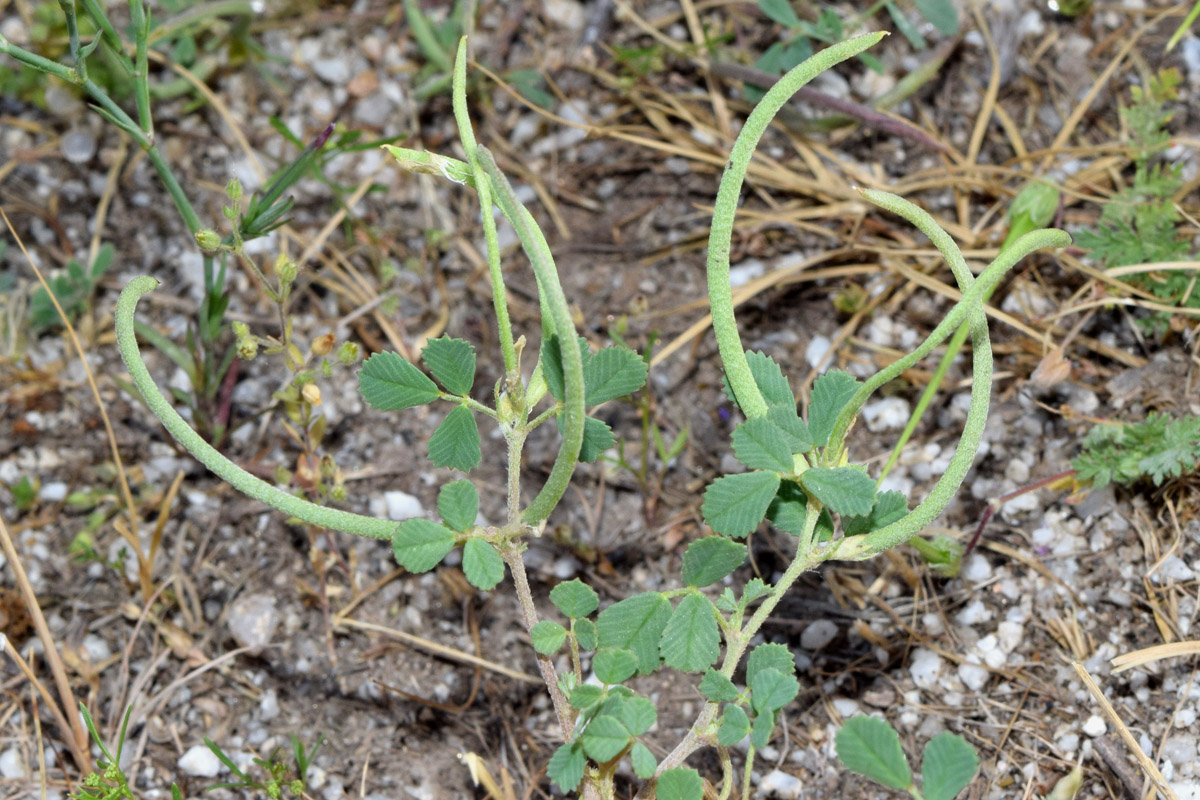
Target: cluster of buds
pixel 247 343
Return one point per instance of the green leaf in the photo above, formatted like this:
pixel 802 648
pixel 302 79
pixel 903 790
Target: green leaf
pixel 780 11
pixel 905 26
pixel 638 715
pixel 760 444
pixel 452 362
pixel 771 690
pixel 585 696
pixel 387 382
pixel 681 783
pixel 613 372
pixel 566 766
pixel 710 559
pixel 770 380
pixel 846 490
pixel 574 598
pixel 597 437
pixel 754 589
pixel 770 656
pixel 889 507
pixel 830 394
pixel 947 766
pixel 795 430
pixel 717 688
pixel 458 505
pixel 871 747
pixel 585 633
pixel 789 508
pixel 691 641
pixel 604 738
pixel 644 762
pixel 482 564
pixel 455 443
pixel 613 665
pixel 552 369
pixel 420 545
pixel 941 13
pixel 547 637
pixel 636 623
pixel 734 726
pixel 760 734
pixel 735 504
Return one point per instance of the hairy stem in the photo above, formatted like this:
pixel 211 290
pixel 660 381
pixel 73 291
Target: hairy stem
pixel 206 454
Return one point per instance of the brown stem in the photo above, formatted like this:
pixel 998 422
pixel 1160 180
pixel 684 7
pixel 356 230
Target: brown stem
pixel 996 503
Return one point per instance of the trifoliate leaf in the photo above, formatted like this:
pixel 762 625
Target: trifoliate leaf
pixel 735 504
pixel 585 696
pixel 613 372
pixel 760 444
pixel 795 430
pixel 420 545
pixel 458 505
pixel 769 656
pixel 947 766
pixel 644 762
pixel 846 490
pixel 717 688
pixel 566 766
pixel 574 598
pixel 771 690
pixel 455 443
pixel 769 379
pixel 604 738
pixel 585 633
pixel 830 394
pixel 691 640
pixel 613 665
pixel 597 437
pixel 889 507
pixel 871 747
pixel 638 715
pixel 680 783
pixel 547 637
pixel 452 362
pixel 636 623
pixel 710 559
pixel 482 564
pixel 734 726
pixel 388 382
pixel 760 733
pixel 754 589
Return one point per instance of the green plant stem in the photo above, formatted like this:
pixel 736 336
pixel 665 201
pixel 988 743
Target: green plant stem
pixel 491 239
pixel 516 445
pixel 139 16
pixel 422 31
pixel 108 33
pixel 747 773
pixel 237 477
pixel 720 239
pixel 559 311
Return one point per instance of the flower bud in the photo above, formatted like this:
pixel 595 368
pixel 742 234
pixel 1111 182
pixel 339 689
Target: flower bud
pixel 286 269
pixel 208 239
pixel 348 353
pixel 233 189
pixel 323 344
pixel 311 394
pixel 247 349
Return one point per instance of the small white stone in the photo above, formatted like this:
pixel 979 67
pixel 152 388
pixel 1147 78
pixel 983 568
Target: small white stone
pixel 78 146
pixel 12 765
pixel 925 668
pixel 1173 568
pixel 253 620
pixel 1009 636
pixel 778 783
pixel 977 569
pixel 818 634
pixel 268 706
pixel 888 414
pixel 97 648
pixel 53 492
pixel 332 70
pixel 815 353
pixel 1095 726
pixel 973 676
pixel 973 613
pixel 746 271
pixel 200 762
pixel 402 506
pixel 847 707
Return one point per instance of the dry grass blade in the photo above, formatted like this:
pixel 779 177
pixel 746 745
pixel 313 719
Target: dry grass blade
pixel 481 775
pixel 1148 655
pixel 1147 764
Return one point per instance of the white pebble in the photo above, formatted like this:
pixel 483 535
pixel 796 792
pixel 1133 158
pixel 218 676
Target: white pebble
pixel 974 676
pixel 1095 726
pixel 1009 636
pixel 253 620
pixel 847 707
pixel 778 783
pixel 1174 569
pixel 815 353
pixel 888 414
pixel 78 146
pixel 12 765
pixel 925 668
pixel 977 569
pixel 746 271
pixel 818 634
pixel 973 613
pixel 268 707
pixel 200 762
pixel 332 70
pixel 401 505
pixel 97 648
pixel 53 492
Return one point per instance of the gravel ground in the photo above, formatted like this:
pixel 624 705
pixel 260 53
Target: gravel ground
pixel 262 630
